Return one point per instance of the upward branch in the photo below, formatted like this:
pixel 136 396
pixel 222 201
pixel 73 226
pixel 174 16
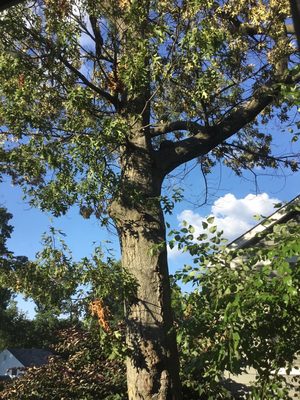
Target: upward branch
pixel 88 83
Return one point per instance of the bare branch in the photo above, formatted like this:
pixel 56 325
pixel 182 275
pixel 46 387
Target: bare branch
pixel 281 159
pixel 88 83
pixel 71 68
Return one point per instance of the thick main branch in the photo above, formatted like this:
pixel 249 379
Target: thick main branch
pixel 171 155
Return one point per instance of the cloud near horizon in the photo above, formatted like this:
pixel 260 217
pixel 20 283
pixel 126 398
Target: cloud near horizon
pixel 232 215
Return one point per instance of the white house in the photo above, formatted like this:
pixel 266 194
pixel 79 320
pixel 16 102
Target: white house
pixel 13 361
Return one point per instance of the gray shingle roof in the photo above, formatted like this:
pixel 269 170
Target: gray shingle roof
pixel 31 357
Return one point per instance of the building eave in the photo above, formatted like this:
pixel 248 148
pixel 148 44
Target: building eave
pixel 282 215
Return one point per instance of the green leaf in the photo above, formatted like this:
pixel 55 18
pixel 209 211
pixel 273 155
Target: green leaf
pixel 191 229
pixel 204 225
pixel 210 220
pixel 213 229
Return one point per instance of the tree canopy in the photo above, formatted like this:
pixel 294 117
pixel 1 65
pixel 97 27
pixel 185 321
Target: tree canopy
pixel 78 77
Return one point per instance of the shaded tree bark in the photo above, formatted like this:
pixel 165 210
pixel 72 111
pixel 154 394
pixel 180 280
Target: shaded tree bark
pixel 153 366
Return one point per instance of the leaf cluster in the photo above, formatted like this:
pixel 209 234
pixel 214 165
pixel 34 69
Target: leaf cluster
pixel 80 80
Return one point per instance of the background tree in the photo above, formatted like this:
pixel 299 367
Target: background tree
pixel 89 356
pixel 12 322
pixel 65 293
pixel 102 100
pixel 16 329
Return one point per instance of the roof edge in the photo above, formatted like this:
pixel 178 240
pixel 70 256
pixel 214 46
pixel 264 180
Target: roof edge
pixel 267 223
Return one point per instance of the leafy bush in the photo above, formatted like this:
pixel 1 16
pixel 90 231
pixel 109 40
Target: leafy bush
pixel 243 311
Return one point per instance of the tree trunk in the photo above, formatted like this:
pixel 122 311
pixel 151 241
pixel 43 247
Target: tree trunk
pixel 153 365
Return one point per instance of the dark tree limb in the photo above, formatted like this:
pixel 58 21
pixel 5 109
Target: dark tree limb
pixel 97 36
pixel 295 8
pixel 88 83
pixel 51 47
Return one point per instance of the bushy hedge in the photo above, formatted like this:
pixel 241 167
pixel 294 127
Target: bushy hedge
pixel 78 370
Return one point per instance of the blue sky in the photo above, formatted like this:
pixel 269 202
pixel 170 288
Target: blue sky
pixel 82 234
pixel 232 200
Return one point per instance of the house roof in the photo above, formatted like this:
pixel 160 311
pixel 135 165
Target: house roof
pixel 282 215
pixel 31 357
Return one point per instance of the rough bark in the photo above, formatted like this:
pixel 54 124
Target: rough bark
pixel 153 366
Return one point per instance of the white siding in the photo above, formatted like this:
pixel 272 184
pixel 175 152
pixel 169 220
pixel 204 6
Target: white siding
pixel 250 374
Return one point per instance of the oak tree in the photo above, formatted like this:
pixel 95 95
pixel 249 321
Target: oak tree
pixel 100 101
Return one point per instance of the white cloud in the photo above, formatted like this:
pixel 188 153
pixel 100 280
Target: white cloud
pixel 174 252
pixel 232 215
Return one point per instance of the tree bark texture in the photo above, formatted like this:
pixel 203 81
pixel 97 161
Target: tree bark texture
pixel 153 365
